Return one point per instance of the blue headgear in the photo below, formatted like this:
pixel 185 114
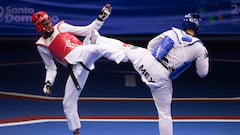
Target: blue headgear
pixel 191 21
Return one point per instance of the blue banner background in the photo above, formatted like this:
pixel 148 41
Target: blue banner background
pixel 128 16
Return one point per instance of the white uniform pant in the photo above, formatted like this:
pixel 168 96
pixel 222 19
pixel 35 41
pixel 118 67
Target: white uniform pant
pixel 157 79
pixel 71 96
pixel 154 75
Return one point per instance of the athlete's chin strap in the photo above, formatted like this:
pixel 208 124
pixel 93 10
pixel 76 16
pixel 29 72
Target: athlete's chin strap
pixel 69 67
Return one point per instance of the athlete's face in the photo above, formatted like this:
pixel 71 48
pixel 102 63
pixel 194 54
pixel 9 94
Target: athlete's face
pixel 47 26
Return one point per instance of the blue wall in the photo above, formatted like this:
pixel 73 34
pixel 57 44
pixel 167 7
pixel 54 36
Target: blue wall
pixel 128 16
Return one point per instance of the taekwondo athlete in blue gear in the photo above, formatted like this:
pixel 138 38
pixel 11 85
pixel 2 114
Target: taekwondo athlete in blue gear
pixel 179 48
pixel 185 49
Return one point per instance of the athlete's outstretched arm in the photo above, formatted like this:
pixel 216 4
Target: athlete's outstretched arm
pixel 86 30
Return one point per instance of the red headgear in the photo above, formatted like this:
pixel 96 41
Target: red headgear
pixel 37 19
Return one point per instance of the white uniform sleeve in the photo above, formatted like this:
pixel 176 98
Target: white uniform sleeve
pixel 50 66
pixel 202 62
pixel 81 30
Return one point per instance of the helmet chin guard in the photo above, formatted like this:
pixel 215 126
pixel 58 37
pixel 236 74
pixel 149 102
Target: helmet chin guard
pixel 191 21
pixel 37 20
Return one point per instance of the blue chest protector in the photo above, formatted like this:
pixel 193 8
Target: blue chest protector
pixel 163 48
pixel 167 44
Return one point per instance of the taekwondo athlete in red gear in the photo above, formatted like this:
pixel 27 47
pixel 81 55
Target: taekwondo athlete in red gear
pixel 168 55
pixel 59 42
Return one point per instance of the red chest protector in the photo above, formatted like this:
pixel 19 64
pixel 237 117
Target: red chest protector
pixel 62 45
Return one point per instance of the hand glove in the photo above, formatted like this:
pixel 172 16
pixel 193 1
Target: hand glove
pixel 47 88
pixel 105 12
